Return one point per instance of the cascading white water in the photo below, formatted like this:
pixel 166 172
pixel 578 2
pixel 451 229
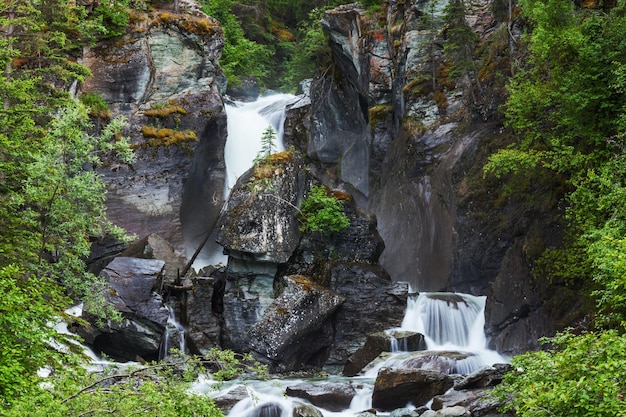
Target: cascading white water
pixel 172 328
pixel 246 124
pixel 452 322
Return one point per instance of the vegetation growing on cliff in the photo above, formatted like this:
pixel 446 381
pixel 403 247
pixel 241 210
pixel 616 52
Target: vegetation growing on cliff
pixel 322 213
pixel 567 106
pixel 280 43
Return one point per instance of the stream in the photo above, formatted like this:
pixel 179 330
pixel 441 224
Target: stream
pixel 451 323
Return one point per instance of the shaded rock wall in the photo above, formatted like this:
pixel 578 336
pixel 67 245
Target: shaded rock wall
pixel 424 137
pixel 164 74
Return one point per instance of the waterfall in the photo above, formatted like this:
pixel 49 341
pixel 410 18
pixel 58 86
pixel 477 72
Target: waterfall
pixel 452 322
pixel 246 124
pixel 174 331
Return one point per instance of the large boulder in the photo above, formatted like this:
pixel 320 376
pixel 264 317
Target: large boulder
pixel 395 388
pixel 260 222
pixel 380 342
pixel 296 330
pixel 203 327
pixel 154 246
pixel 133 286
pixel 373 303
pixel 332 396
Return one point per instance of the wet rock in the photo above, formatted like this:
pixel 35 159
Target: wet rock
pixel 154 246
pixel 128 340
pixel 270 409
pixel 476 401
pixel 373 304
pixel 260 220
pixel 380 342
pixel 228 400
pixel 298 123
pixel 449 362
pixel 484 377
pixel 305 410
pixel 456 411
pixel 332 396
pixel 102 251
pixel 243 303
pixel 203 327
pixel 295 330
pixel 395 388
pixel 408 412
pixel 132 286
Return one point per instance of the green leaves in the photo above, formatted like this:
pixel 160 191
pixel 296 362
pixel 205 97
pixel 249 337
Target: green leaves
pixel 322 213
pixel 581 376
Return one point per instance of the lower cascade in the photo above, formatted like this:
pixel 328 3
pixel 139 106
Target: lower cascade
pixel 452 326
pixel 452 322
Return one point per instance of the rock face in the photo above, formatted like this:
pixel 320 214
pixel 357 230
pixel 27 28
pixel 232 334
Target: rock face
pixel 410 147
pixel 373 304
pixel 295 330
pixel 332 396
pixel 203 326
pixel 163 76
pixel 395 388
pixel 132 291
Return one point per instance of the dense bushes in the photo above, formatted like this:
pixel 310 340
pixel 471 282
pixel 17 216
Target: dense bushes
pixel 580 376
pixel 567 107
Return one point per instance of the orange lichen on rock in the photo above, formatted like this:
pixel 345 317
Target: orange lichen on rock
pixel 197 25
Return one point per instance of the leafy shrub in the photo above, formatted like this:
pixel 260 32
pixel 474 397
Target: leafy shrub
pixel 580 376
pixel 157 389
pixel 322 213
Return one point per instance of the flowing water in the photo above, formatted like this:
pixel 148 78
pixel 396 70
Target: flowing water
pixel 449 322
pixel 246 124
pixel 452 324
pixel 174 335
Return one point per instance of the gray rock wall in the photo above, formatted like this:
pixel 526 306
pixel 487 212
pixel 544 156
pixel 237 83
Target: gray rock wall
pixel 165 61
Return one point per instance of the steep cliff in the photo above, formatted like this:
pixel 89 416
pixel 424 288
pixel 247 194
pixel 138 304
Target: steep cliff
pixel 390 123
pixel 163 74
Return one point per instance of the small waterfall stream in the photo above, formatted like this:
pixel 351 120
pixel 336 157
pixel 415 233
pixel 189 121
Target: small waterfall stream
pixel 246 124
pixel 174 332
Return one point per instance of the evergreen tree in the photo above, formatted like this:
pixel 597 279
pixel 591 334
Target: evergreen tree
pixel 459 46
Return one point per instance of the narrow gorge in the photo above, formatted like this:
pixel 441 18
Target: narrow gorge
pixel 392 137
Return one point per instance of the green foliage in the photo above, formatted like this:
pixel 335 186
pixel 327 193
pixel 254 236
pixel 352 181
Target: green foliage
pixel 114 17
pixel 510 161
pixel 310 53
pixel 581 376
pixel 567 105
pixel 96 105
pixel 27 306
pixel 268 145
pixel 60 203
pixel 460 39
pixel 322 213
pixel 161 389
pixel 241 57
pixel 51 200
